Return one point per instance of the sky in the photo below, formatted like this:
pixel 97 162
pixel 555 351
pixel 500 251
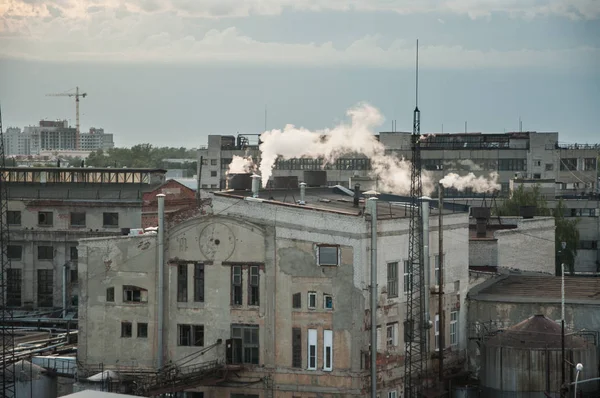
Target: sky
pixel 171 72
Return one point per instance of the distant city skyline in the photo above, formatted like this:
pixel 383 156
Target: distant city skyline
pixel 171 73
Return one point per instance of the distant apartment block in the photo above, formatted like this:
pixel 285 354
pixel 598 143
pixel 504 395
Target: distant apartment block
pixel 53 136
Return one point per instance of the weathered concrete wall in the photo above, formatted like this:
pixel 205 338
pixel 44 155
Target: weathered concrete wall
pixel 483 252
pixel 529 247
pixel 112 263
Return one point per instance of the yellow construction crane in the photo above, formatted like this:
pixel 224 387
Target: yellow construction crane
pixel 76 95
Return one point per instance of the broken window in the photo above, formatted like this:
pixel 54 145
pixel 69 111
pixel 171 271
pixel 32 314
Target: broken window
pixel 407 276
pixel 110 294
pixel 236 285
pixel 45 218
pixel 199 282
pixel 312 300
pixel 328 301
pixel 13 217
pixel 392 279
pixel 126 329
pixel 191 335
pixel 312 349
pixel 253 291
pixel 45 253
pixel 14 252
pixel 45 287
pixel 327 350
pixel 142 330
pixel 328 255
pixel 13 288
pixel 110 220
pixel 296 348
pixel 134 294
pixel 297 300
pixel 250 342
pixel 78 219
pixel 182 282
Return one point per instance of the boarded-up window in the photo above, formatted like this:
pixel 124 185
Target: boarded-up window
pixel 328 255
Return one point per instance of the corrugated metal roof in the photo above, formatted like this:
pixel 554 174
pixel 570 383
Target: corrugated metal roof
pixel 543 288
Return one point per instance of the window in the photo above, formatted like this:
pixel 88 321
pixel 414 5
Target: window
pixel 213 162
pixel 312 349
pixel 250 345
pixel 191 335
pixel 213 173
pixel 236 285
pixel 205 162
pixel 110 220
pixel 588 244
pixel 537 176
pixel 14 252
pixel 110 295
pixel 253 288
pixel 327 301
pixel 296 348
pixel 126 329
pixel 437 332
pixel 392 335
pixel 182 274
pixel 549 166
pixel 328 255
pixel 134 294
pixel 454 328
pixel 407 276
pixel 45 253
pixel 73 253
pixel 568 164
pixel 73 275
pixel 312 300
pixel 78 219
pixel 512 164
pixel 45 218
pixel 392 394
pixel 45 287
pixel 392 279
pixel 13 217
pixel 13 287
pixel 327 350
pixel 142 330
pixel 213 185
pixel 297 300
pixel 589 164
pixel 199 282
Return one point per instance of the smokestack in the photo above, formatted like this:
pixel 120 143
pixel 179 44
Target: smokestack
pixel 255 185
pixel 161 281
pixel 426 264
pixel 356 194
pixel 372 203
pixel 302 193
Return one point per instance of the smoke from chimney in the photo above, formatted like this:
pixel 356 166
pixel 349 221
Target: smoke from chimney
pixel 241 165
pixel 477 184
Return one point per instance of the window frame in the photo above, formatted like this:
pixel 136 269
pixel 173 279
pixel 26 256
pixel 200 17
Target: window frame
pixel 297 301
pixel 9 254
pixel 312 358
pixel 182 283
pixel 253 285
pixel 45 293
pixel 126 330
pixel 12 216
pixel 296 348
pixel 392 279
pixel 199 282
pixel 46 249
pixel 314 296
pixel 436 332
pixel 14 287
pixel 337 255
pixel 78 213
pixel 142 326
pixel 110 294
pixel 327 350
pixel 134 294
pixel 48 215
pixel 193 331
pixel 106 216
pixel 237 294
pixel 250 349
pixel 454 328
pixel 327 296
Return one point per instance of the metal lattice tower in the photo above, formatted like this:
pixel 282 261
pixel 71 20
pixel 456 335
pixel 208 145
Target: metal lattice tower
pixel 414 333
pixel 7 342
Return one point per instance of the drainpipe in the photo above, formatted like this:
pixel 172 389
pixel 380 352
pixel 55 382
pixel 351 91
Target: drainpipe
pixel 161 276
pixel 64 289
pixel 373 206
pixel 255 185
pixel 426 265
pixel 302 193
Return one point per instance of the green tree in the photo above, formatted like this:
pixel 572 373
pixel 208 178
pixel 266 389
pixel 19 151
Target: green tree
pixel 140 156
pixel 566 228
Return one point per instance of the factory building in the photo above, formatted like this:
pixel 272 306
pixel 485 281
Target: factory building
pixel 267 294
pixel 49 210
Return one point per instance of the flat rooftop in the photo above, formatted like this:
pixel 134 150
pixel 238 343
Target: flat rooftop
pixel 538 288
pixel 335 199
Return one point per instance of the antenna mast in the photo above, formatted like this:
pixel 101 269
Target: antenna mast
pixel 7 339
pixel 414 324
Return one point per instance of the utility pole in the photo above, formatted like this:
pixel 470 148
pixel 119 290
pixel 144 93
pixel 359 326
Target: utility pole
pixel 562 313
pixel 442 324
pixel 373 203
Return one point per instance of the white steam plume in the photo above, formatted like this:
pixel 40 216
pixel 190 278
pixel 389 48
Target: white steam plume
pixel 329 144
pixel 477 184
pixel 241 164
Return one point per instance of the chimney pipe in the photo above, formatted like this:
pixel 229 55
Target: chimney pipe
pixel 426 265
pixel 302 193
pixel 255 185
pixel 161 281
pixel 356 194
pixel 372 203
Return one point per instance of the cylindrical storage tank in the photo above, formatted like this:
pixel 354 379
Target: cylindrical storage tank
pixel 239 182
pixel 465 392
pixel 315 178
pixel 31 381
pixel 524 360
pixel 285 182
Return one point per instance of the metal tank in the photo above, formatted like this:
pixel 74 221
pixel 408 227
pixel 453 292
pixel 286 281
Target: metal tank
pixel 524 360
pixel 32 381
pixel 239 182
pixel 285 182
pixel 315 178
